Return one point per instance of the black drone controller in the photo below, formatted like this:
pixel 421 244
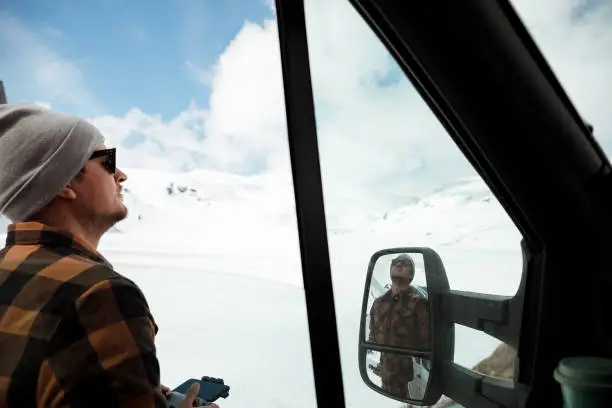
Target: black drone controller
pixel 211 389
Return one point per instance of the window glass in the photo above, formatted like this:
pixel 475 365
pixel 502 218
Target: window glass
pixel 191 94
pixel 576 38
pixel 393 177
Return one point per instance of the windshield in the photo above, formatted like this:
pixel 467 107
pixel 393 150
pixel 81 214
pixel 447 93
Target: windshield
pixel 191 94
pixel 392 177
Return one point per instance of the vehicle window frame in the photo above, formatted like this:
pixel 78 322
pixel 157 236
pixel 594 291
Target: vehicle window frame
pixel 553 142
pixel 310 209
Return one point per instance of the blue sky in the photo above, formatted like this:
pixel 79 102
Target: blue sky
pixel 132 53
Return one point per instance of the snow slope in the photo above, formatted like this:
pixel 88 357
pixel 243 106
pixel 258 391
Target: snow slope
pixel 218 258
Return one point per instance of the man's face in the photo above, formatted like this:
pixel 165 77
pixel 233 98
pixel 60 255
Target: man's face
pixel 401 272
pixel 99 199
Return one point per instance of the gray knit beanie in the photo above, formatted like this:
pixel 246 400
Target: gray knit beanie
pixel 41 151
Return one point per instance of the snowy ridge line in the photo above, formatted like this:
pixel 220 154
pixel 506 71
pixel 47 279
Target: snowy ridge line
pixel 165 251
pixel 119 266
pixel 171 265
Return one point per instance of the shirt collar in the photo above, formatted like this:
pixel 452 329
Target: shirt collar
pixel 36 233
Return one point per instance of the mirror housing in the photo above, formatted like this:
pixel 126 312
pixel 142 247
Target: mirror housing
pixel 496 315
pixel 442 331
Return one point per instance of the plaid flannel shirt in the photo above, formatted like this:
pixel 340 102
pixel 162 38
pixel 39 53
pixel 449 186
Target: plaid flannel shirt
pixel 73 332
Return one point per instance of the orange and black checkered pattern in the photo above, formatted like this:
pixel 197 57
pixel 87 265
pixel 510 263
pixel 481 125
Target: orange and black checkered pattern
pixel 73 333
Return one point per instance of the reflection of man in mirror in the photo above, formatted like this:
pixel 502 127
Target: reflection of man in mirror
pixel 400 318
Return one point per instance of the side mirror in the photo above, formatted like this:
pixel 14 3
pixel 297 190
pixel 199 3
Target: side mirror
pixel 404 343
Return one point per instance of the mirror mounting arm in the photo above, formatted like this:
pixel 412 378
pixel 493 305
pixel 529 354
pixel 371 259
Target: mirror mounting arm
pixel 491 314
pixel 475 390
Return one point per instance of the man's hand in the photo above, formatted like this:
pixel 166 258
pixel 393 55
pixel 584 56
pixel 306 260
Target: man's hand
pixel 190 396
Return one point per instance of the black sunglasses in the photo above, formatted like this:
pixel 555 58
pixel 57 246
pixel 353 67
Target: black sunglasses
pixel 109 163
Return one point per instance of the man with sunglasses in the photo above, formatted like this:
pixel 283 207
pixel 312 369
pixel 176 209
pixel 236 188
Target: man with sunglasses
pixel 73 332
pixel 400 317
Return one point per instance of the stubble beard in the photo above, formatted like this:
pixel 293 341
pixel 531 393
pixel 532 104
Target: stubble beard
pixel 104 222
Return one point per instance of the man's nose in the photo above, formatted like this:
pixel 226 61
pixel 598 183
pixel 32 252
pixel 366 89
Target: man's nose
pixel 120 176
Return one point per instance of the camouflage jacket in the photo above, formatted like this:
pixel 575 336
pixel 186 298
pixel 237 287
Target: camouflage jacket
pixel 400 320
pixel 73 332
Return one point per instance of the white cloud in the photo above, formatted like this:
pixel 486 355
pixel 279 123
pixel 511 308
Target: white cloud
pixel 28 61
pixel 379 142
pixel 173 145
pixel 246 121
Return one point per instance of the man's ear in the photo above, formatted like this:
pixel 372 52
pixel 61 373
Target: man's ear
pixel 67 193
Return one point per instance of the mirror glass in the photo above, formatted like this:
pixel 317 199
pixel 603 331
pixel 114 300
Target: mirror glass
pixel 401 375
pixel 397 310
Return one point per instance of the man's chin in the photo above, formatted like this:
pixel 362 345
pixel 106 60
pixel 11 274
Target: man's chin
pixel 123 214
pixel 124 210
pixel 120 215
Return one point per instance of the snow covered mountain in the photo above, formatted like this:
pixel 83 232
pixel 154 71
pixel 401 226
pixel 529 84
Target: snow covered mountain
pixel 208 211
pixel 206 240
pixel 463 213
pixel 197 198
pixel 202 206
pixel 158 199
